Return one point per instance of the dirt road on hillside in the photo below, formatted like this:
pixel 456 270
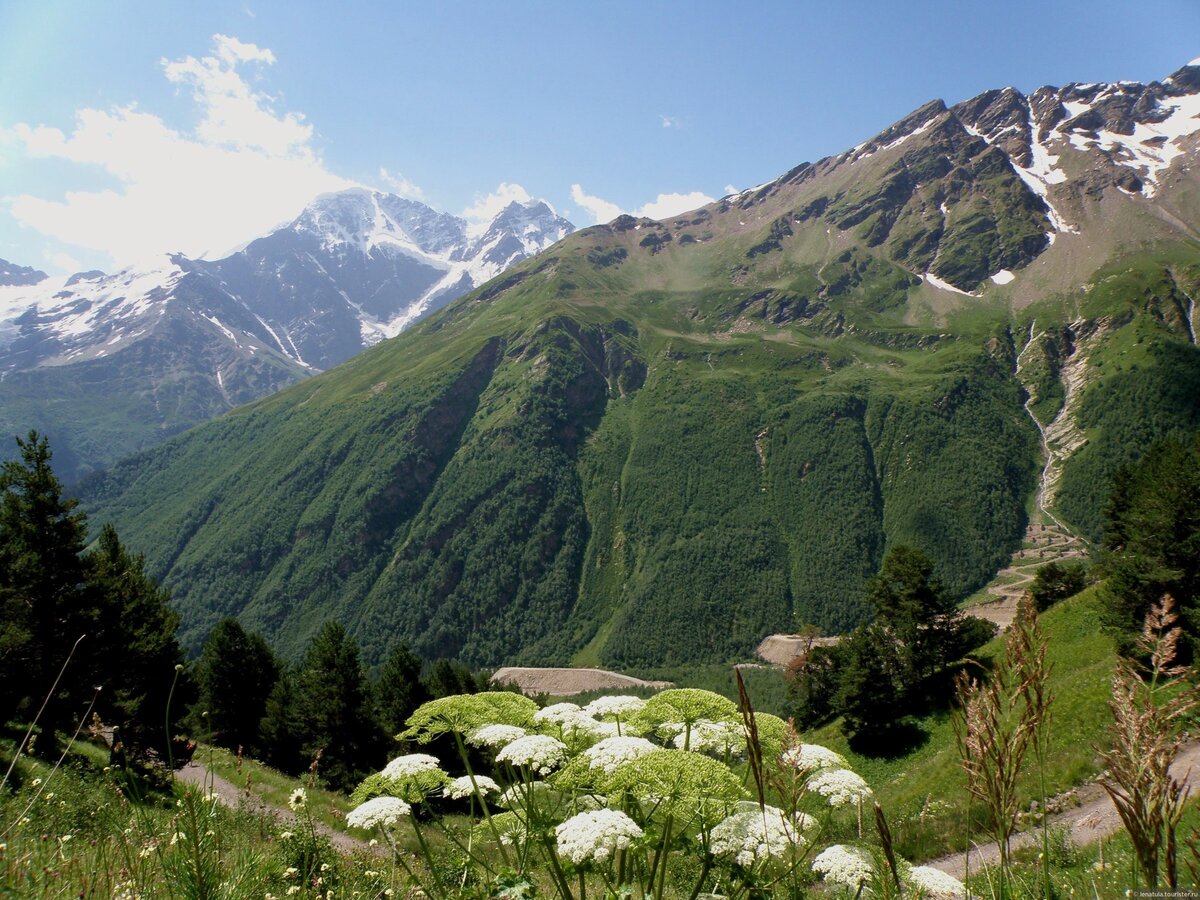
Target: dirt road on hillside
pixel 1095 818
pixel 235 797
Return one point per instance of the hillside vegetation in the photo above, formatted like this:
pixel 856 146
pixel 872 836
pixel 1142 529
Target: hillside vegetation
pixel 657 442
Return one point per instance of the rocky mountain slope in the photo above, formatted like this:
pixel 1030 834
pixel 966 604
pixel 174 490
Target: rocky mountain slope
pixel 657 442
pixel 107 364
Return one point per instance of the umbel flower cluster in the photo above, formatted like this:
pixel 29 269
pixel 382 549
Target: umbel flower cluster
pixel 626 796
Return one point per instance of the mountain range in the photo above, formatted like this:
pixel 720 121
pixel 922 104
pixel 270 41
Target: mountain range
pixel 657 441
pixel 107 364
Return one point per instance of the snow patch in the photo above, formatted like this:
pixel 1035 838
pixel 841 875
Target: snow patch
pixel 945 285
pixel 1004 276
pixel 920 129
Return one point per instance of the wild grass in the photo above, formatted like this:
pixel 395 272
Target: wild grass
pixel 924 791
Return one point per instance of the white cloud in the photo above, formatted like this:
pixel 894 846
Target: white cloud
pixel 64 263
pixel 243 169
pixel 400 185
pixel 486 208
pixel 670 121
pixel 599 209
pixel 661 207
pixel 730 189
pixel 666 205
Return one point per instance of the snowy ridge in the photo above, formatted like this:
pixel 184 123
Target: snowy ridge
pixel 355 267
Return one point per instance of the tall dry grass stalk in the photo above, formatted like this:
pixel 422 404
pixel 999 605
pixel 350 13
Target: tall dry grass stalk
pixel 1150 702
pixel 999 721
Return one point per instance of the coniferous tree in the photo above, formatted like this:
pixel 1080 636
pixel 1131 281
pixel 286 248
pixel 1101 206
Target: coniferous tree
pixel 134 651
pixel 337 715
pixel 43 591
pixel 921 619
pixel 235 676
pixel 869 696
pixel 1152 540
pixel 447 677
pixel 399 690
pixel 281 730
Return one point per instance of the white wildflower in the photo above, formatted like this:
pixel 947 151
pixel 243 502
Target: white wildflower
pixel 706 736
pixel 539 752
pixel 377 811
pixel 494 735
pixel 840 787
pixel 593 836
pixel 935 883
pixel 847 866
pixel 298 799
pixel 405 766
pixel 613 751
pixel 458 788
pixel 813 757
pixel 558 713
pixel 616 707
pixel 753 835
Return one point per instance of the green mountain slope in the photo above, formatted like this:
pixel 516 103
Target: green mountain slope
pixel 659 441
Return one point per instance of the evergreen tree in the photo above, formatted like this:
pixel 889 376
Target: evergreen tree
pixel 870 697
pixel 281 730
pixel 235 676
pixel 132 653
pixel 1152 540
pixel 1057 581
pixel 399 690
pixel 447 677
pixel 337 716
pixel 921 618
pixel 42 592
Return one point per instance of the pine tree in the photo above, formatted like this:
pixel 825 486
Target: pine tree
pixel 280 732
pixel 399 690
pixel 921 619
pixel 337 716
pixel 132 652
pixel 43 592
pixel 1152 541
pixel 235 676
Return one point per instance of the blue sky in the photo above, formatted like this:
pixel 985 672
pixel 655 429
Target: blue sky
pixel 129 128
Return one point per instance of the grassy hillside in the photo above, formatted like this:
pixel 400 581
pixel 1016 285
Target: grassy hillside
pixel 659 441
pixel 925 790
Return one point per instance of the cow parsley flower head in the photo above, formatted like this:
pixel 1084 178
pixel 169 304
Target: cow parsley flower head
pixel 378 811
pixel 813 757
pixel 704 736
pixel 403 766
pixel 458 788
pixel 463 713
pixel 593 836
pixel 611 752
pixel 539 752
pixel 298 799
pixel 847 866
pixel 687 705
pixel 510 826
pixel 753 835
pixel 934 883
pixel 412 780
pixel 840 787
pixel 494 736
pixel 680 783
pixel 614 707
pixel 558 713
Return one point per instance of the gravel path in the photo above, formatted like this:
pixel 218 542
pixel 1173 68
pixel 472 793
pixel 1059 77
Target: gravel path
pixel 1095 818
pixel 231 795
